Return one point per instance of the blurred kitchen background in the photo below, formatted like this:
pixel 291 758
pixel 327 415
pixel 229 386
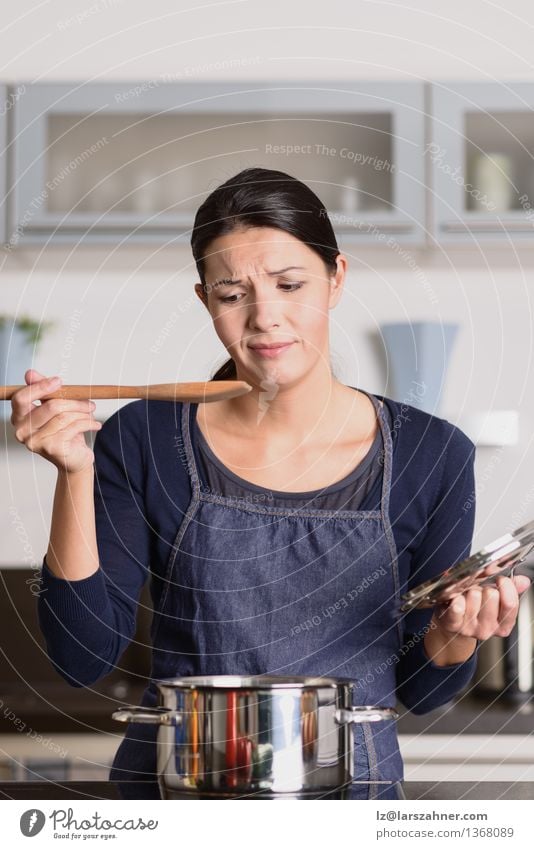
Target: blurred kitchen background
pixel 115 123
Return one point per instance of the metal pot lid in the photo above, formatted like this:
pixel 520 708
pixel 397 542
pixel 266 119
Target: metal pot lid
pixel 498 558
pixel 249 682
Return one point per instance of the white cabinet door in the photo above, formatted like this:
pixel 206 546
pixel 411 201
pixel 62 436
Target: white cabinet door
pixel 481 158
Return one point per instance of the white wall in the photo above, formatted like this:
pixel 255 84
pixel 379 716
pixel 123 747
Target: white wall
pixel 129 39
pixel 122 300
pixel 115 317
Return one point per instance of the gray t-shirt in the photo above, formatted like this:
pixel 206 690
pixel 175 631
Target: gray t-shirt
pixel 347 494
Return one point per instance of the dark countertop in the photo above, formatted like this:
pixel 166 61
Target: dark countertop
pixel 408 790
pixel 471 714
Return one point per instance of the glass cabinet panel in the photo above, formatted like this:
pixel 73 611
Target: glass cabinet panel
pixel 162 164
pixel 499 160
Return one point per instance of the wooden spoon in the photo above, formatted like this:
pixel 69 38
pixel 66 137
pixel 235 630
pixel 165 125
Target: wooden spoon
pixel 212 390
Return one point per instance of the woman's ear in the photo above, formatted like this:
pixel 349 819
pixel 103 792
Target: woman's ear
pixel 199 289
pixel 337 280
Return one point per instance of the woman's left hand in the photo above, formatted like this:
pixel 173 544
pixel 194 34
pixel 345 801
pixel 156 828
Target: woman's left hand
pixel 482 611
pixel 478 613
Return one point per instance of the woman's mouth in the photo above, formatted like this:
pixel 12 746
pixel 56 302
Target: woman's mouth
pixel 270 351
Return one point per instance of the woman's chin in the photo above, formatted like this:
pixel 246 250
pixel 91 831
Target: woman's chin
pixel 269 378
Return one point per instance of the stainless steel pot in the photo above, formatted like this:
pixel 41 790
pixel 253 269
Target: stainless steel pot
pixel 262 736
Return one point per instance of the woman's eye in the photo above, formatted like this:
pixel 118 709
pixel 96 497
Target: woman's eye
pixel 229 299
pixel 290 287
pixel 286 287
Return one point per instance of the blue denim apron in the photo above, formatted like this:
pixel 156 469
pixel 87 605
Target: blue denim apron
pixel 255 589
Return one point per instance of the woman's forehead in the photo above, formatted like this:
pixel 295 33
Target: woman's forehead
pixel 244 259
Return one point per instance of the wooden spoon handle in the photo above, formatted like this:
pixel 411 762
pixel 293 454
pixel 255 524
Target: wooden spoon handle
pixel 197 392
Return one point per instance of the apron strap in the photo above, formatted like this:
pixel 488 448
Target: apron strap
pixel 188 449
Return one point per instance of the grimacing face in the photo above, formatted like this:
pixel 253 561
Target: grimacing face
pixel 266 308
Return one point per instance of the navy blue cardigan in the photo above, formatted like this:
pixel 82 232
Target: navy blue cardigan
pixel 142 491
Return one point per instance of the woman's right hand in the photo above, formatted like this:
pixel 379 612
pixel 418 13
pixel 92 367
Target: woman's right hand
pixel 54 429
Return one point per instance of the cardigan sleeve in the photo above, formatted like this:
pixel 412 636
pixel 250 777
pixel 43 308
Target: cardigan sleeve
pixel 422 685
pixel 88 623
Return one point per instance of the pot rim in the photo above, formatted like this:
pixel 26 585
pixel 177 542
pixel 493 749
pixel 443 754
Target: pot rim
pixel 250 682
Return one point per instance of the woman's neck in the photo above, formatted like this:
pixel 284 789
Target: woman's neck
pixel 313 409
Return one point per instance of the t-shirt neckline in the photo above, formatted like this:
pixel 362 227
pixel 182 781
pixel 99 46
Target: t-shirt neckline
pixel 354 474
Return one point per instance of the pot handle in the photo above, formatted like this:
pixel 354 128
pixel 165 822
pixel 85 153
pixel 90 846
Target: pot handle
pixel 148 715
pixel 364 714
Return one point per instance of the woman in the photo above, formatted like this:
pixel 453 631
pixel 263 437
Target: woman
pixel 278 528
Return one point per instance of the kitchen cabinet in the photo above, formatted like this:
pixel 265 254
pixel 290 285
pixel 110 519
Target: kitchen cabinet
pixel 56 756
pixel 405 162
pixel 34 698
pixel 116 162
pixel 481 159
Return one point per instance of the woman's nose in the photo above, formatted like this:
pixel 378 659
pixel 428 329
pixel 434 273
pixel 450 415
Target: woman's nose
pixel 264 313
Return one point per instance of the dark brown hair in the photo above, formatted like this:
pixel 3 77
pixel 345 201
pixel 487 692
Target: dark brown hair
pixel 260 197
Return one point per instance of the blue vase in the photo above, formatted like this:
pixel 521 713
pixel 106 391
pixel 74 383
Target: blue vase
pixel 16 355
pixel 418 354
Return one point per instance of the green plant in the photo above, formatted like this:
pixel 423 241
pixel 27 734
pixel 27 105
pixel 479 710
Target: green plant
pixel 30 327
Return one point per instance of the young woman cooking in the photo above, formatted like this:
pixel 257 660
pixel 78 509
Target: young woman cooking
pixel 277 529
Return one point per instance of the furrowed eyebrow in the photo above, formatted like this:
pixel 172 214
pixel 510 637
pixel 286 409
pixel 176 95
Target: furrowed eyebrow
pixel 227 281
